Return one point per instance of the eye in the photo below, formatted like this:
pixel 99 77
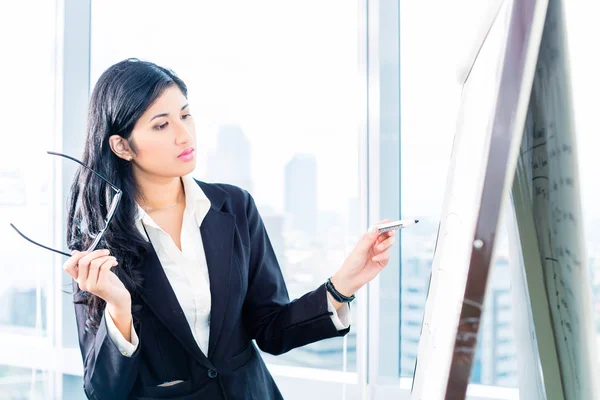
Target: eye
pixel 161 127
pixel 186 116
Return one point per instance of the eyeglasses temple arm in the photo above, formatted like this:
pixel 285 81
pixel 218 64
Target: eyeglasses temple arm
pixel 85 166
pixel 38 244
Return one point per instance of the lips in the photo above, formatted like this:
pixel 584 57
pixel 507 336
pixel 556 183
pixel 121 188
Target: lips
pixel 187 152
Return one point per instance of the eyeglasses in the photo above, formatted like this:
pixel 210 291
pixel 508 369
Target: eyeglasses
pixel 111 211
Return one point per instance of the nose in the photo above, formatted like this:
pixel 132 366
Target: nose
pixel 182 134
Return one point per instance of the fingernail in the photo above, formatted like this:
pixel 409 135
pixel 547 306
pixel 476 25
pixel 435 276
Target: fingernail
pixel 106 252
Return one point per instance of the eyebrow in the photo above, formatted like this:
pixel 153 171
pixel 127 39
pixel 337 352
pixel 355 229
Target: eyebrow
pixel 167 114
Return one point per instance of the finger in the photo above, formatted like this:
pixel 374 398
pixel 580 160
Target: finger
pixel 103 271
pixel 385 235
pixel 370 237
pixel 386 244
pixel 382 258
pixel 93 255
pixel 84 265
pixel 94 269
pixel 366 241
pixel 70 266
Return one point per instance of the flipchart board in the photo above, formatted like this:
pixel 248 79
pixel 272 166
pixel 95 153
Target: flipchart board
pixel 557 339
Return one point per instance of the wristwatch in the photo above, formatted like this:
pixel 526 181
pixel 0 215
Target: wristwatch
pixel 337 296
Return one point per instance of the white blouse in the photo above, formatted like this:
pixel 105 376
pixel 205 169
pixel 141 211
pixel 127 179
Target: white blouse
pixel 187 271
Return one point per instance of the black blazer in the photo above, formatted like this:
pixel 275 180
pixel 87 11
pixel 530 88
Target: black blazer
pixel 249 301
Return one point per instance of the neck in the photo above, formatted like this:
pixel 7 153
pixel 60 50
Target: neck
pixel 157 192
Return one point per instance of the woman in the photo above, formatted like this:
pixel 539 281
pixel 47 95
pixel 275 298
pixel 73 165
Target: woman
pixel 185 277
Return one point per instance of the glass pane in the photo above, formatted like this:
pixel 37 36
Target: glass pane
pixel 24 383
pixel 27 113
pixel 496 357
pixel 275 111
pixel 428 127
pixel 430 97
pixel 586 83
pixel 72 387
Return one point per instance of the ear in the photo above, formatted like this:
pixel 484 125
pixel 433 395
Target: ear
pixel 121 147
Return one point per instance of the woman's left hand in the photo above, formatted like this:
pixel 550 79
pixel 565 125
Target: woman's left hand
pixel 367 259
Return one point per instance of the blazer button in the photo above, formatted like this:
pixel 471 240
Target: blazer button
pixel 212 374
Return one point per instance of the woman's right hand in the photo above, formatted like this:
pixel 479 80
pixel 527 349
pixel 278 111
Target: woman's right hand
pixel 92 273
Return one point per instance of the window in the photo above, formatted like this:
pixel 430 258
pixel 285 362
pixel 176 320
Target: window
pixel 275 110
pixel 26 174
pixel 430 102
pixel 260 80
pixel 23 383
pixel 425 148
pixel 585 84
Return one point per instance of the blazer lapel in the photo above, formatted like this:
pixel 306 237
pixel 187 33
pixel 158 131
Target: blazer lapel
pixel 217 232
pixel 160 297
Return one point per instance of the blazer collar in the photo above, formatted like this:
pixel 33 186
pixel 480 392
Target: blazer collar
pixel 215 194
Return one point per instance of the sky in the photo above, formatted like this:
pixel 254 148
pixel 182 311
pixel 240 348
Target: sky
pixel 293 88
pixel 287 74
pixel 290 80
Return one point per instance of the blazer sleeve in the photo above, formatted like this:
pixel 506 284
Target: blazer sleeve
pixel 107 374
pixel 277 324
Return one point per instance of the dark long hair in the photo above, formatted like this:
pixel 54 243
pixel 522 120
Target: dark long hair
pixel 122 94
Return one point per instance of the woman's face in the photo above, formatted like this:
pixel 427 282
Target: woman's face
pixel 165 137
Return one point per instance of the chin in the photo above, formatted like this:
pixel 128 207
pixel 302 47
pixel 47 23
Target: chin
pixel 188 168
pixel 172 170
